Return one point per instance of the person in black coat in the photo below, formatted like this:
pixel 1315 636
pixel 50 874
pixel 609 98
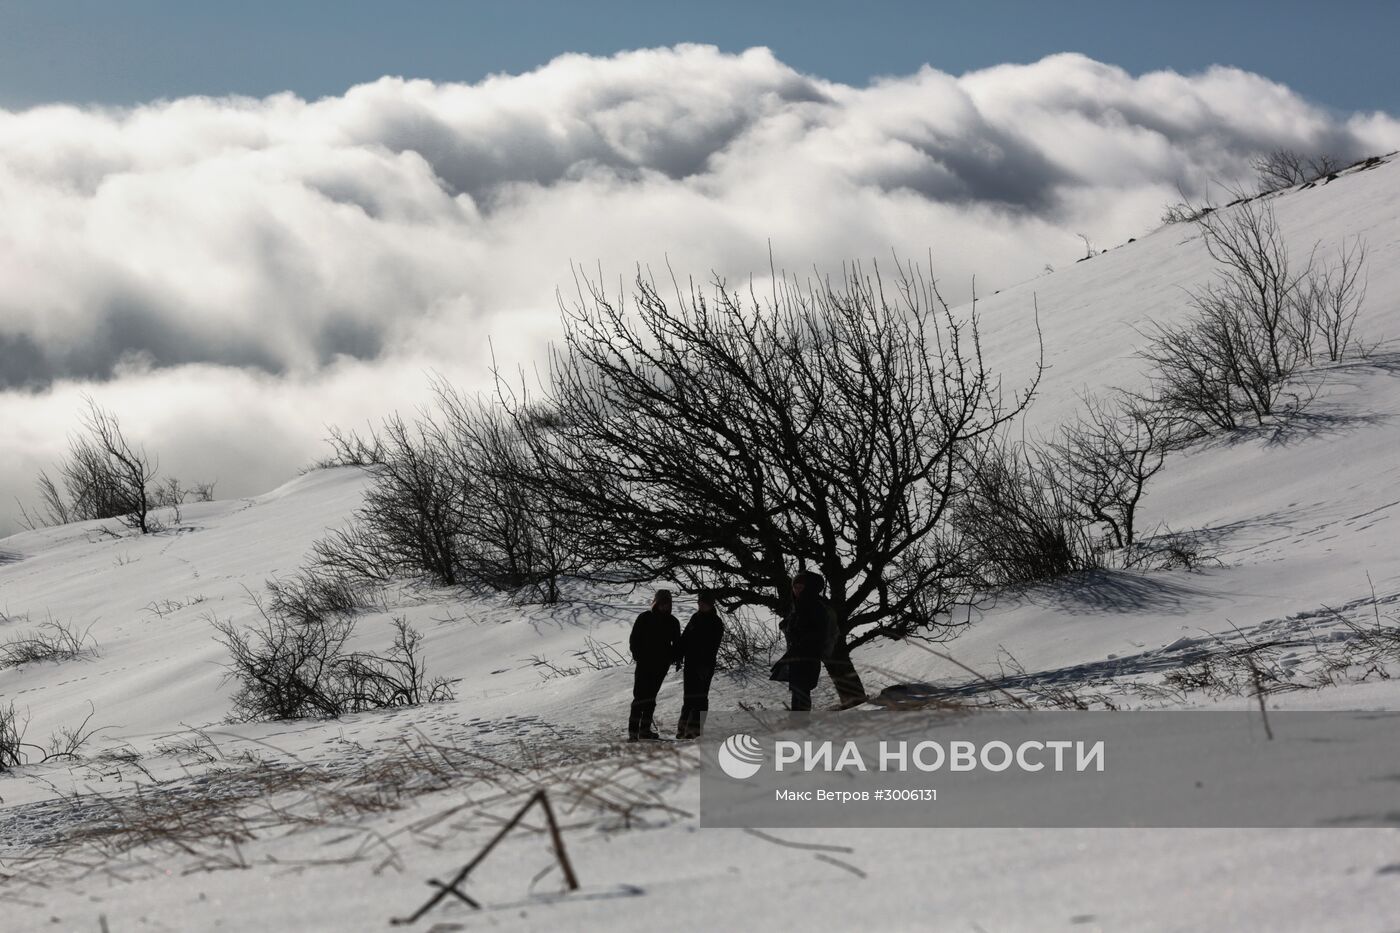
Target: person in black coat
pixel 808 627
pixel 699 646
pixel 655 644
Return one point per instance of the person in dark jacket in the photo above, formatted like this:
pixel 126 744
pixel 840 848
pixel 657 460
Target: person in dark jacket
pixel 699 646
pixel 808 627
pixel 655 644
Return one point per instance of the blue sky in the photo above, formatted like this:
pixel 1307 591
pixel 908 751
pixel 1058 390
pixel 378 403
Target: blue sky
pixel 1339 54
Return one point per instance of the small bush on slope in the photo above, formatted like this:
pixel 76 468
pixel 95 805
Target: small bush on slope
pixel 448 505
pixel 293 663
pixel 1284 168
pixel 15 751
pixel 1106 457
pixel 105 475
pixel 1255 326
pixel 52 641
pixel 1017 521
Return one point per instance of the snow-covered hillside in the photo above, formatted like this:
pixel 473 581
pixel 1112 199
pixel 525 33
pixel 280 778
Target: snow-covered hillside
pixel 1297 521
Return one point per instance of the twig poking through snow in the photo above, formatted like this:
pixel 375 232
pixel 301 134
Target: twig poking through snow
pixel 840 864
pixel 450 887
pixel 798 845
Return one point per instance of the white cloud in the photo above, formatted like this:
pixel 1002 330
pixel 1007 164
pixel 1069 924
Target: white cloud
pixel 222 268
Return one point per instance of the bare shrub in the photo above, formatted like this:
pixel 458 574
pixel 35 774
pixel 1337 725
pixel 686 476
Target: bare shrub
pixel 67 742
pixel 451 503
pixel 1284 168
pixel 1330 305
pixel 1018 524
pixel 170 493
pixel 595 655
pixel 1183 212
pixel 1107 455
pixel 1255 326
pixel 105 475
pixel 192 747
pixel 1228 364
pixel 160 608
pixel 1281 168
pixel 11 738
pixel 308 595
pixel 1216 372
pixel 1171 550
pixel 395 678
pixel 51 641
pixel 285 670
pixel 356 553
pixel 294 663
pixel 350 448
pixel 412 520
pixel 514 540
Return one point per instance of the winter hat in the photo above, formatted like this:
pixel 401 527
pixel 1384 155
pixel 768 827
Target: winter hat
pixel 816 581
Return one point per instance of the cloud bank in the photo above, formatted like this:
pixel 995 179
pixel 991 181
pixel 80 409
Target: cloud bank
pixel 281 263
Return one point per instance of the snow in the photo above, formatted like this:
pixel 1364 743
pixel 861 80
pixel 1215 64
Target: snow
pixel 1300 522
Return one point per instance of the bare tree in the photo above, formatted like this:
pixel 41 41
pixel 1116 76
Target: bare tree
pixel 716 441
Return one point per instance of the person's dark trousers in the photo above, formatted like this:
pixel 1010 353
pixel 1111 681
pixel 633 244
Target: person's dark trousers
pixel 803 681
pixel 844 677
pixel 696 703
pixel 645 686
